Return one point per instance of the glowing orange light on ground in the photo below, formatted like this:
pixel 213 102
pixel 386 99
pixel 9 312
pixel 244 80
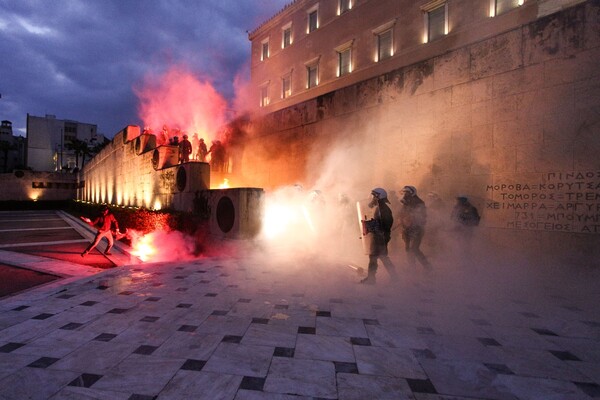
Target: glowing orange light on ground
pixel 143 247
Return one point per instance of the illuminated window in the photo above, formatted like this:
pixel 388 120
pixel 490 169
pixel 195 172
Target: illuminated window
pixel 345 5
pixel 264 54
pixel 384 44
pixel 286 86
pixel 313 19
pixel 436 19
pixel 286 36
pixel 502 6
pixel 264 95
pixel 344 62
pixel 312 75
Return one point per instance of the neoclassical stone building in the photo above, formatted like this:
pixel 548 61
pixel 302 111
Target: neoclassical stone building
pixel 498 100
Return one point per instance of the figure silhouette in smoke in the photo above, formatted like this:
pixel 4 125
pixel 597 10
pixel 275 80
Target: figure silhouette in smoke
pixel 465 217
pixel 217 154
pixel 202 150
pixel 185 149
pixel 413 216
pixel 377 231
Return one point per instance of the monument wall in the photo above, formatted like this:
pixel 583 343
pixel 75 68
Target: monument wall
pixel 22 185
pixel 512 122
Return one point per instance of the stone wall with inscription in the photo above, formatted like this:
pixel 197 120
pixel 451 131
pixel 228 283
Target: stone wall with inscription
pixel 512 122
pixel 557 202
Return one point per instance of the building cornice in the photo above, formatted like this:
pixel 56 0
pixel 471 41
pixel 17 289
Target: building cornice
pixel 288 9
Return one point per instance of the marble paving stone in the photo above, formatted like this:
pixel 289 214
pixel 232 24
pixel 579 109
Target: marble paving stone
pixel 81 393
pixel 450 356
pixel 521 338
pixel 349 327
pixel 301 377
pixel 460 348
pixel 140 374
pixel 139 333
pixel 254 395
pixel 383 361
pixel 9 363
pixel 528 388
pixel 385 336
pixel 591 370
pixel 201 386
pixel 29 330
pixel 359 311
pixel 270 335
pixel 583 348
pixel 465 378
pixel 57 343
pixel 323 347
pixel 360 387
pixel 293 317
pixel 537 363
pixel 225 325
pixel 34 383
pixel 189 345
pixel 239 359
pixel 95 357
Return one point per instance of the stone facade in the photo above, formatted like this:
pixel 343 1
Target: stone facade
pixel 511 122
pixel 37 186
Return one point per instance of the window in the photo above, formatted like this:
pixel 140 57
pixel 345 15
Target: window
pixel 312 75
pixel 501 6
pixel 264 54
pixel 344 62
pixel 345 5
pixel 286 36
pixel 313 19
pixel 384 45
pixel 436 20
pixel 264 95
pixel 286 86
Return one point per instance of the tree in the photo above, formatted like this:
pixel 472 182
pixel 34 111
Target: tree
pixel 6 147
pixel 80 148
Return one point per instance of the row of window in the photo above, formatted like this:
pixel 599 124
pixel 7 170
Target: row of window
pixel 436 26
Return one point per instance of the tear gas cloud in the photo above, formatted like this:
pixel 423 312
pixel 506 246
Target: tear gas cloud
pixel 315 223
pixel 181 101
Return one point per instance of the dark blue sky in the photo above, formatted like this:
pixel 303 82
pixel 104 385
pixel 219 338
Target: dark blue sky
pixel 80 59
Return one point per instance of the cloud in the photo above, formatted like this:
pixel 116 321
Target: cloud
pixel 81 60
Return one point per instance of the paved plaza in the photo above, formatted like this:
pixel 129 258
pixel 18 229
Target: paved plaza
pixel 253 325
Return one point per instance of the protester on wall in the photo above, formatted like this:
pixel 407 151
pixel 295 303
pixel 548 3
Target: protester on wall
pixel 185 149
pixel 202 151
pixel 377 231
pixel 106 224
pixel 217 154
pixel 195 140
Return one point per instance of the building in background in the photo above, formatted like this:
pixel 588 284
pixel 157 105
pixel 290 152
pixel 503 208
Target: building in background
pixel 314 47
pixel 496 100
pixel 12 149
pixel 59 145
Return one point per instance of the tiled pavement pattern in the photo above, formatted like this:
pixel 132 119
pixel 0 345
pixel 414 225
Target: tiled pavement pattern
pixel 247 329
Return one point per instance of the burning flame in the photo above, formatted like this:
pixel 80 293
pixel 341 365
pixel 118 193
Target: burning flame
pixel 225 184
pixel 162 245
pixel 143 248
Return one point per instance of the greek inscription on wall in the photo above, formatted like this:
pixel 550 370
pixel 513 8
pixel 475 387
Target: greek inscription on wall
pixel 560 202
pixel 167 180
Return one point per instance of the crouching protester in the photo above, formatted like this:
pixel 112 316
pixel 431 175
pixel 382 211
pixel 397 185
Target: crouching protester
pixel 378 232
pixel 108 228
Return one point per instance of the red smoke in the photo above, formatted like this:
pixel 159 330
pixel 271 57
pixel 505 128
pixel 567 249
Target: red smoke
pixel 181 101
